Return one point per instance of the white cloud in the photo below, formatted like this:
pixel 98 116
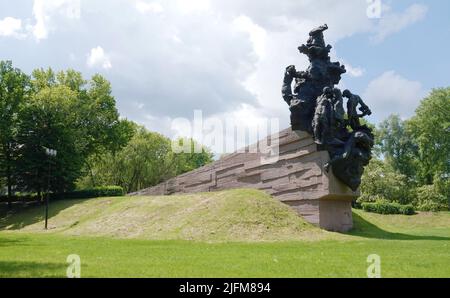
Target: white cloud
pixel 355 72
pixel 11 27
pixel 226 58
pixel 257 34
pixel 98 58
pixel 391 93
pixel 285 27
pixel 147 7
pixel 393 23
pixel 44 12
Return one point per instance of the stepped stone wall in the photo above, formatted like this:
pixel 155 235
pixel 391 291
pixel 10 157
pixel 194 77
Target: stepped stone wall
pixel 297 178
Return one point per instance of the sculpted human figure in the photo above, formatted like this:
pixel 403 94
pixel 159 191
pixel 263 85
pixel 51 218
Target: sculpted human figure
pixel 301 100
pixel 317 108
pixel 352 105
pixel 338 109
pixel 316 37
pixel 289 76
pixel 322 120
pixel 358 145
pixel 315 46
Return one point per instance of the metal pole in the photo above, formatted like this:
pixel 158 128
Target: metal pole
pixel 48 192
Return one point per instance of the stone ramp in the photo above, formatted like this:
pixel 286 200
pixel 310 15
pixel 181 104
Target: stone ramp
pixel 297 178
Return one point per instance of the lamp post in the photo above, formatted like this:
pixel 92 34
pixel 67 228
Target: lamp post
pixel 50 153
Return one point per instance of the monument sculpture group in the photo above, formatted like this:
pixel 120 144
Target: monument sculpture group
pixel 321 157
pixel 317 107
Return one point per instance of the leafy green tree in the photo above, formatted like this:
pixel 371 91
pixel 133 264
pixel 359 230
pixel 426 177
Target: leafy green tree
pixel 188 161
pixel 381 181
pixel 122 134
pixel 442 186
pixel 43 78
pixel 14 91
pixel 430 128
pixel 99 118
pixel 97 115
pixel 47 122
pixel 145 161
pixel 76 117
pixel 430 198
pixel 397 146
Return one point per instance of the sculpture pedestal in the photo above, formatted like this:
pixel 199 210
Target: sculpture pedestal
pixel 335 215
pixel 330 207
pixel 296 178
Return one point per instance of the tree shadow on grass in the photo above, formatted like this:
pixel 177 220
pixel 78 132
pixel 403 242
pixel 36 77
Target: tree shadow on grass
pixel 31 269
pixel 11 242
pixel 363 228
pixel 22 216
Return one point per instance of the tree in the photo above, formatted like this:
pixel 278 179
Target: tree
pixel 122 134
pixel 99 118
pixel 76 117
pixel 381 181
pixel 430 128
pixel 14 91
pixel 145 161
pixel 397 146
pixel 188 161
pixel 47 122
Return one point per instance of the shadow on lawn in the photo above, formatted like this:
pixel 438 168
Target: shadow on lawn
pixel 366 229
pixel 11 242
pixel 31 269
pixel 20 216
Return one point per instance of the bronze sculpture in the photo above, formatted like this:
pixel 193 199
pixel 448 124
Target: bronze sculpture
pixel 317 107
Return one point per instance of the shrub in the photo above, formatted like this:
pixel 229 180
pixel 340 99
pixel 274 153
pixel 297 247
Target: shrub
pixel 407 209
pixel 429 206
pixel 380 180
pixel 96 192
pixel 429 198
pixel 365 198
pixel 20 198
pixel 385 207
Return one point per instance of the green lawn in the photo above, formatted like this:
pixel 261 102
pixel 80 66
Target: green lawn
pixel 45 256
pixel 409 246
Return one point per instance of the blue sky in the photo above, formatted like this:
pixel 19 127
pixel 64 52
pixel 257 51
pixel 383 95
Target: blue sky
pixel 166 59
pixel 419 52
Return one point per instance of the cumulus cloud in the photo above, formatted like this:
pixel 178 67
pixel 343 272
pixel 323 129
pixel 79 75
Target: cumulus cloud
pixel 11 27
pixel 257 34
pixel 392 23
pixel 355 72
pixel 170 58
pixel 391 93
pixel 46 11
pixel 277 30
pixel 98 58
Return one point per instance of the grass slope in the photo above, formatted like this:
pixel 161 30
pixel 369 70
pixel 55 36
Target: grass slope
pixel 409 246
pixel 236 215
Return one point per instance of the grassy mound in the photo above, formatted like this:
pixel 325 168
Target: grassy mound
pixel 236 215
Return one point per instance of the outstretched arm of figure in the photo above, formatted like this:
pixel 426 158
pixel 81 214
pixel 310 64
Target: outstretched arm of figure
pixel 286 90
pixel 364 108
